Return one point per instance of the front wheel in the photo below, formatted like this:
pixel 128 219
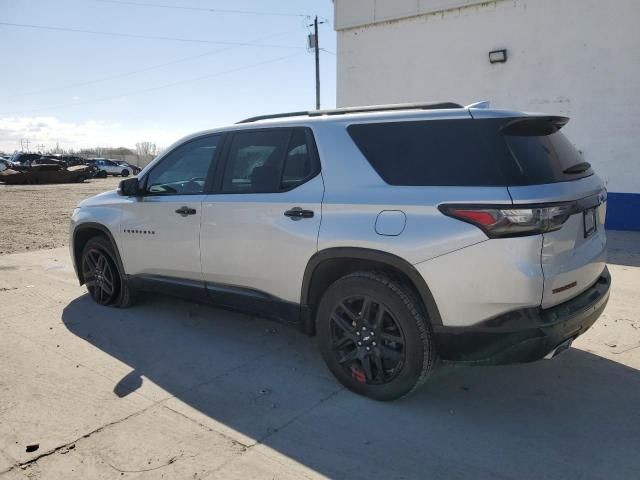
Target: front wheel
pixel 104 281
pixel 125 173
pixel 374 336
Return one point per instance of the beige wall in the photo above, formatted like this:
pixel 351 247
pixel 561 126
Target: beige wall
pixel 352 13
pixel 579 58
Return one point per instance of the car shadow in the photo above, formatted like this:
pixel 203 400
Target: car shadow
pixel 577 416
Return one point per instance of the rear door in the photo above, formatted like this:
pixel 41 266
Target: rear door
pixel 551 170
pixel 261 228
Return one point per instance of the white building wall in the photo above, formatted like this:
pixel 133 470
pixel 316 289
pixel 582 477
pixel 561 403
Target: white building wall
pixel 579 58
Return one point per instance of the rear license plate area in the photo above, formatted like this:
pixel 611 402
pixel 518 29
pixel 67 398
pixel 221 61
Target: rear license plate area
pixel 590 224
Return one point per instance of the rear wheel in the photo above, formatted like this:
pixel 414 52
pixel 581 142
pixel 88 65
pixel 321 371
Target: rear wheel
pixel 374 336
pixel 104 281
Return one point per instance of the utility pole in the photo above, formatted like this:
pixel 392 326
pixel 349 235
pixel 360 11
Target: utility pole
pixel 317 45
pixel 314 42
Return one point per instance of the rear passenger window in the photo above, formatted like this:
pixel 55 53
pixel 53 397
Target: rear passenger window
pixel 267 161
pixel 433 152
pixel 298 165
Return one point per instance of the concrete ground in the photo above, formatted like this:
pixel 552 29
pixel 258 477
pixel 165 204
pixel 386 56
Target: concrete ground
pixel 171 389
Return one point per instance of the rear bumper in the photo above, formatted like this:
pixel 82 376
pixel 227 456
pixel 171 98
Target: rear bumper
pixel 524 335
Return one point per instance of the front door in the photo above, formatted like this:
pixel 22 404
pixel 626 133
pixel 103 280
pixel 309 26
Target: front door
pixel 262 227
pixel 160 230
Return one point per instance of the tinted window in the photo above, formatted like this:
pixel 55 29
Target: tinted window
pixel 185 169
pixel 487 152
pixel 438 153
pixel 267 161
pixel 298 163
pixel 541 153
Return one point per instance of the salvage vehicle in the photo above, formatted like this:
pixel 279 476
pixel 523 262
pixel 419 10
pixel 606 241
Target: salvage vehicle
pixel 45 173
pixel 399 235
pixel 111 167
pixel 97 172
pixel 4 164
pixel 20 158
pixel 134 169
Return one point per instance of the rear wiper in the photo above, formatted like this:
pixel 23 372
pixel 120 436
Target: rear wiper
pixel 578 168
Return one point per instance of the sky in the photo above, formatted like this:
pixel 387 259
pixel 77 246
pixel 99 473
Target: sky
pixel 160 69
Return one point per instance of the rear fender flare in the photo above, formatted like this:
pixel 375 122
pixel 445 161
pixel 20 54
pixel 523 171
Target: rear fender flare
pixel 393 261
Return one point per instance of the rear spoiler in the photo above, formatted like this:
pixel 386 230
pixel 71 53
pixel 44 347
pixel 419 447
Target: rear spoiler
pixel 534 126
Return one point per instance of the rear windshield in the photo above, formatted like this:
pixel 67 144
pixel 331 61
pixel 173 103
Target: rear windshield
pixel 542 153
pixel 483 152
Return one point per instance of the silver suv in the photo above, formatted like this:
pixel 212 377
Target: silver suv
pixel 400 235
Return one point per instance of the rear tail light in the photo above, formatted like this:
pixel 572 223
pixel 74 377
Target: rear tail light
pixel 507 221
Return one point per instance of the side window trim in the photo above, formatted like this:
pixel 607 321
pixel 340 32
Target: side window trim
pixel 223 161
pixel 210 172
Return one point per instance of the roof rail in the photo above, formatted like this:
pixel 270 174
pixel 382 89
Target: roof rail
pixel 363 109
pixel 274 115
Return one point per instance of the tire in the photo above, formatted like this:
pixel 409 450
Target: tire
pixel 403 335
pixel 98 252
pixel 81 179
pixel 125 173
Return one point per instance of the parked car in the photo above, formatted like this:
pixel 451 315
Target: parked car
pixel 70 160
pixel 111 167
pixel 47 160
pixel 4 164
pixel 97 173
pixel 134 169
pixel 398 235
pixel 45 173
pixel 20 158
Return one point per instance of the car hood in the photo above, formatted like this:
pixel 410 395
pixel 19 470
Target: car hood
pixel 104 198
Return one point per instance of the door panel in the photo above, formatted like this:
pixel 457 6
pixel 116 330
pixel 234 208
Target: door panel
pixel 160 231
pixel 248 241
pixel 159 241
pixel 261 231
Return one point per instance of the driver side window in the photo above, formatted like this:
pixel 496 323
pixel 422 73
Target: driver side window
pixel 184 171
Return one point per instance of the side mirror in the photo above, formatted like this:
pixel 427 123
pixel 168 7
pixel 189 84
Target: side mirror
pixel 129 187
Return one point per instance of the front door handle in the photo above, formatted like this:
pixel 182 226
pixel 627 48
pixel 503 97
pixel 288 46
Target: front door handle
pixel 298 213
pixel 184 211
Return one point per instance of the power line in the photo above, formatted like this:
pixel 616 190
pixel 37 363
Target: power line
pixel 150 67
pixel 146 37
pixel 203 9
pixel 166 85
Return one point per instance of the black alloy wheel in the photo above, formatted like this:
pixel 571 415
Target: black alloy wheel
pixel 367 340
pixel 374 335
pixel 100 275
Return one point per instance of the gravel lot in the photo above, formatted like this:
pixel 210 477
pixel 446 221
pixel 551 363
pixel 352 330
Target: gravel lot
pixel 33 217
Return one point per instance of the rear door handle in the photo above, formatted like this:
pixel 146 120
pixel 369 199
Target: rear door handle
pixel 298 213
pixel 184 211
